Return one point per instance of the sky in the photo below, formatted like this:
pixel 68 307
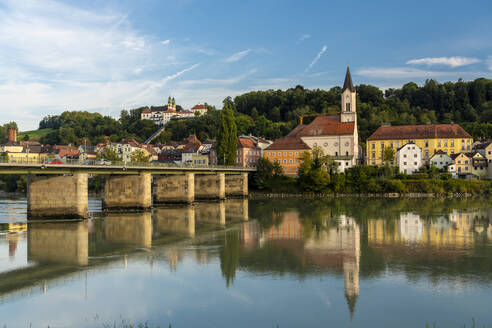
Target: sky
pixel 105 56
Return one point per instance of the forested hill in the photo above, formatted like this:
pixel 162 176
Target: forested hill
pixel 274 113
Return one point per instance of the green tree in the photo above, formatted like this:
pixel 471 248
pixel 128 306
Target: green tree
pixel 264 173
pixel 389 155
pixel 313 172
pixel 140 156
pixel 110 154
pixel 227 137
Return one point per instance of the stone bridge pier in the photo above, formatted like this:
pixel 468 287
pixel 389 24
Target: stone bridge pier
pixel 237 208
pixel 174 188
pixel 236 185
pixel 210 186
pixel 57 196
pixel 127 192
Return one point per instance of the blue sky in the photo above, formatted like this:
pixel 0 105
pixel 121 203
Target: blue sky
pixel 110 55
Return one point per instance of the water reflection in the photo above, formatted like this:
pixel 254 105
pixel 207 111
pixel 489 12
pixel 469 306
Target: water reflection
pixel 129 229
pixel 340 247
pixel 60 242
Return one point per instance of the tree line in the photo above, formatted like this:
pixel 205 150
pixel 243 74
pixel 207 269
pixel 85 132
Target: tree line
pixel 272 114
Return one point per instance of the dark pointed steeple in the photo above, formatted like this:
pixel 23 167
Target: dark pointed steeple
pixel 348 82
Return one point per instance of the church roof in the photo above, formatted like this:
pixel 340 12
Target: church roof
pixel 428 131
pixel 288 143
pixel 348 82
pixel 324 126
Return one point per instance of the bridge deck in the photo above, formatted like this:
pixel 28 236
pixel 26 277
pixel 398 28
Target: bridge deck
pixel 117 168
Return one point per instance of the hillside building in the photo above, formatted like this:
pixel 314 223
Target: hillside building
pixel 440 160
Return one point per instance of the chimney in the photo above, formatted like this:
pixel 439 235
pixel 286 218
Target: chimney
pixel 12 134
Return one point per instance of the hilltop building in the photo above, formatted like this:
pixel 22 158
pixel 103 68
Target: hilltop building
pixel 337 135
pixel 163 114
pixel 431 138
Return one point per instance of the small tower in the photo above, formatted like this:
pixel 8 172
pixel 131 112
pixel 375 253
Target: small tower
pixel 348 111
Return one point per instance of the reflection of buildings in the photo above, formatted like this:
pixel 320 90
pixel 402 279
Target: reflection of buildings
pixel 457 232
pixel 333 248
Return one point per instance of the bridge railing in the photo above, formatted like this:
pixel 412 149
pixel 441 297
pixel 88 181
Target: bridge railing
pixel 105 163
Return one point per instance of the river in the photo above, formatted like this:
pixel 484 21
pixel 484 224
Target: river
pixel 251 263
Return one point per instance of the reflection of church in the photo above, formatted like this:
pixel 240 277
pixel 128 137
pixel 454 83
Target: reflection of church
pixel 333 248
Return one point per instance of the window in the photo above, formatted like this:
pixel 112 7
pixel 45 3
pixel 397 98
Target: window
pixel 373 154
pixel 397 144
pixel 285 153
pixel 290 154
pixel 290 161
pixel 285 161
pixel 404 163
pixel 279 154
pixel 439 144
pixel 382 145
pixel 336 153
pixel 427 143
pixel 373 145
pixel 296 153
pixel 414 163
pixel 391 144
pixel 427 154
pixel 346 153
pixel 452 143
pixel 414 155
pixel 404 155
pixel 445 143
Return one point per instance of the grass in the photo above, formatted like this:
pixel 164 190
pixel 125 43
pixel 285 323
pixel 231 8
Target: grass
pixel 34 135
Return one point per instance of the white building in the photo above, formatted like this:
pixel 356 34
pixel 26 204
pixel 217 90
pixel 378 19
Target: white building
pixel 163 114
pixel 409 158
pixel 201 109
pixel 441 160
pixel 411 227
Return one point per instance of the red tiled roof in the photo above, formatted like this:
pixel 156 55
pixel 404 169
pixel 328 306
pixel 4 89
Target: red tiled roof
pixel 199 106
pixel 245 143
pixel 325 126
pixel 288 143
pixel 428 131
pixel 146 111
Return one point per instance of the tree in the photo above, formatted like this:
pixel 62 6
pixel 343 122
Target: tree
pixel 110 154
pixel 263 174
pixel 226 137
pixel 140 156
pixel 389 155
pixel 313 173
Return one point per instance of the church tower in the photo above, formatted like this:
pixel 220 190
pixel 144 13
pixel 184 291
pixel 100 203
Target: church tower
pixel 348 111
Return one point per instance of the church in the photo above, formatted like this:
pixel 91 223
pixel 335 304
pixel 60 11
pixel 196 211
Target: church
pixel 336 135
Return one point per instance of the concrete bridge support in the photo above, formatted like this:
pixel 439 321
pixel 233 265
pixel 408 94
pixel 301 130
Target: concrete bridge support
pixel 175 220
pixel 236 185
pixel 211 213
pixel 129 229
pixel 61 242
pixel 174 188
pixel 57 196
pixel 128 192
pixel 210 186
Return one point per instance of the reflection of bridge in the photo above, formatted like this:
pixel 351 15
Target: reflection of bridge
pixel 60 250
pixel 62 189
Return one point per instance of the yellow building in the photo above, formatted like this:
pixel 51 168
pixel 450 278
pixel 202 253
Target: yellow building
pixel 448 138
pixel 287 151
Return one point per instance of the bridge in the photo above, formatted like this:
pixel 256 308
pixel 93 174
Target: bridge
pixel 62 189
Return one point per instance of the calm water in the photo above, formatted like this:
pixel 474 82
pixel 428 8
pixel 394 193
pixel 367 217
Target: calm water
pixel 291 263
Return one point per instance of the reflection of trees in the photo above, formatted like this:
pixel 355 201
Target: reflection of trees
pixel 229 255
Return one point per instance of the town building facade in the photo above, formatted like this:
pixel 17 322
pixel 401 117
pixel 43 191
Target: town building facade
pixel 431 138
pixel 409 158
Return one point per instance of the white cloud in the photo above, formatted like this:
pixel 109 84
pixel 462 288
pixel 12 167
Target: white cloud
pixel 303 37
pixel 315 60
pixel 207 52
pixel 446 61
pixel 410 73
pixel 166 42
pixel 238 56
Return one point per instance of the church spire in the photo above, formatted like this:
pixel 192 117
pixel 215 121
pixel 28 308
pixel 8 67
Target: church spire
pixel 348 82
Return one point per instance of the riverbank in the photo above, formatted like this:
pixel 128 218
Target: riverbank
pixel 263 195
